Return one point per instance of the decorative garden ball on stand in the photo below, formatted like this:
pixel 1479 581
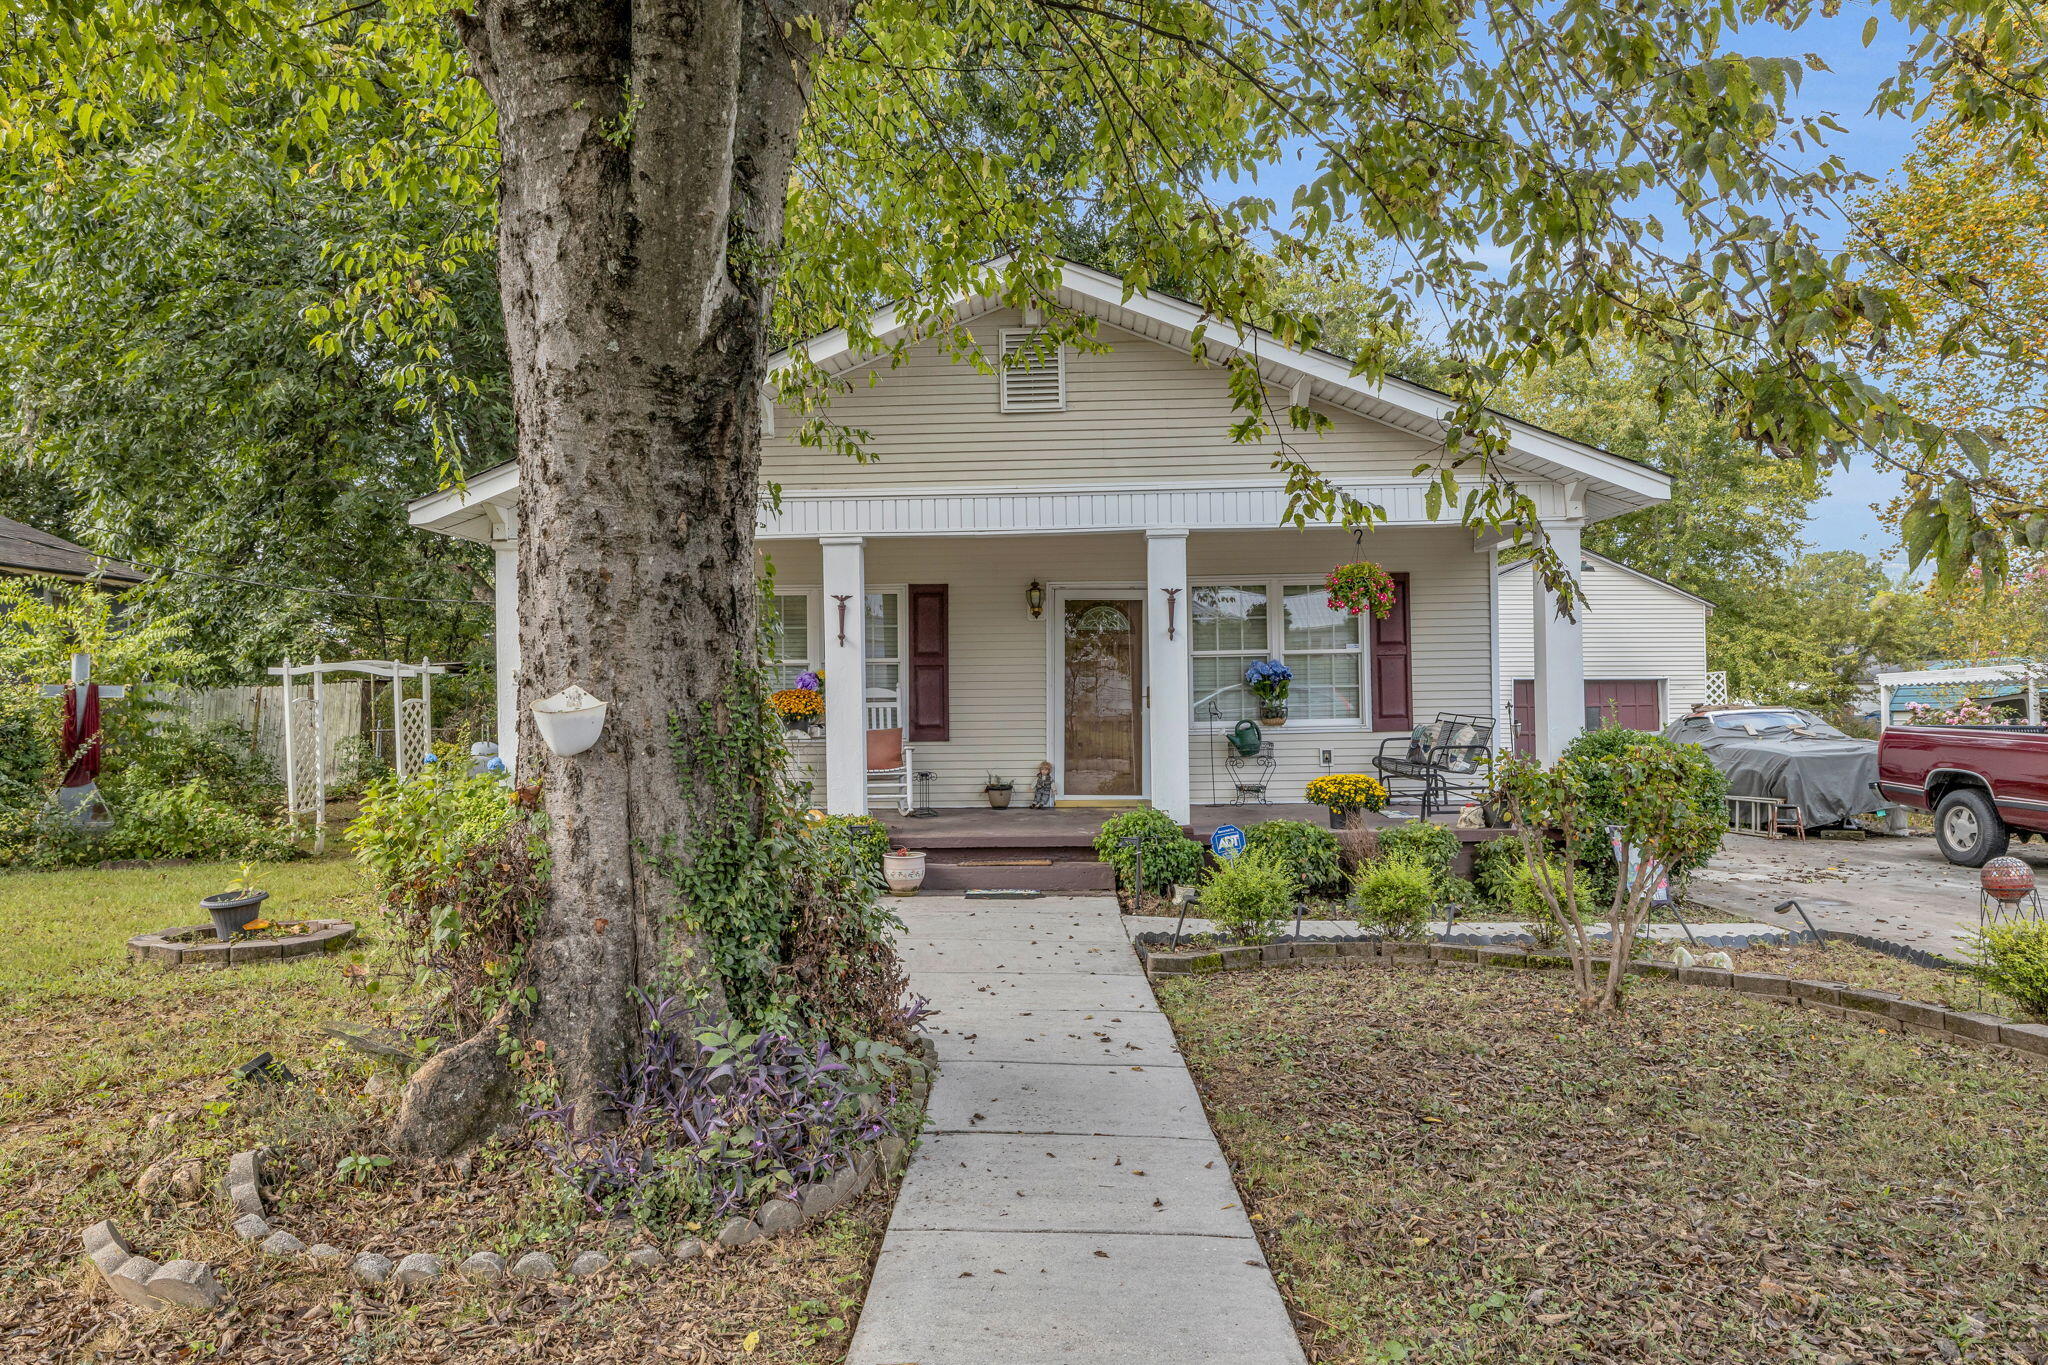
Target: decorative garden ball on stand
pixel 2007 880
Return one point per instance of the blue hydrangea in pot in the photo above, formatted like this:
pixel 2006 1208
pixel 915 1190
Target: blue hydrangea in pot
pixel 1268 680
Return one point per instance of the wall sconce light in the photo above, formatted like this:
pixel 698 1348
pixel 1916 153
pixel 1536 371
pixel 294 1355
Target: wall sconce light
pixel 1035 595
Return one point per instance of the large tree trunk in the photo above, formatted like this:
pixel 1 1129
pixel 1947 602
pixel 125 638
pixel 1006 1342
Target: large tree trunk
pixel 646 149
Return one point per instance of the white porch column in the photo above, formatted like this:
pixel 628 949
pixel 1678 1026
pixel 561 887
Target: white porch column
pixel 844 603
pixel 1560 653
pixel 505 630
pixel 1166 646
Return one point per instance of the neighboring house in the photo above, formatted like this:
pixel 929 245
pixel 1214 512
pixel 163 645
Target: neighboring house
pixel 1645 648
pixel 26 552
pixel 2011 685
pixel 1111 483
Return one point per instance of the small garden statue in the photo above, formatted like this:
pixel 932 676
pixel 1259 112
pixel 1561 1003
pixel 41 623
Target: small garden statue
pixel 1041 789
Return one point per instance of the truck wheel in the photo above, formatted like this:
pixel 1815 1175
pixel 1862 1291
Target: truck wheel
pixel 1967 828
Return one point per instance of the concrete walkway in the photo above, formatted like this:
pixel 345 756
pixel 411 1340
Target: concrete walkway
pixel 1068 1204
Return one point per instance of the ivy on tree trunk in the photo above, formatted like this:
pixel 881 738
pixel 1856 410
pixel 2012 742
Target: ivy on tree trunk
pixel 646 147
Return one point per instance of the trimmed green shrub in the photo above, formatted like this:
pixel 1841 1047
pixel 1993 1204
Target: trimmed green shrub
pixel 1494 865
pixel 1419 841
pixel 1249 896
pixel 1392 897
pixel 1170 856
pixel 2012 959
pixel 1308 851
pixel 1599 754
pixel 1523 897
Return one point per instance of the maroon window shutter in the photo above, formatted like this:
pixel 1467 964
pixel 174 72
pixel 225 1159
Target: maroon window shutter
pixel 930 690
pixel 1392 706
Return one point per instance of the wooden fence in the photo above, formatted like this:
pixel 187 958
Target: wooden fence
pixel 260 711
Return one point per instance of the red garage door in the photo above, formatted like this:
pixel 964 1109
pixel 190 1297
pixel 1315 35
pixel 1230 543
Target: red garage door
pixel 1633 702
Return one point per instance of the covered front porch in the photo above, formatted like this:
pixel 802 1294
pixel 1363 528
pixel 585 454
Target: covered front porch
pixel 1117 659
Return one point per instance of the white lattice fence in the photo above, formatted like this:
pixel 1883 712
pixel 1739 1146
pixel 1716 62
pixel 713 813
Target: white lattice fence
pixel 415 726
pixel 1717 689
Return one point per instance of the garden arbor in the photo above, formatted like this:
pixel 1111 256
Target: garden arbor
pixel 305 738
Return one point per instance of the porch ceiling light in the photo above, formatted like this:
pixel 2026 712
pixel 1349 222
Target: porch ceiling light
pixel 1035 595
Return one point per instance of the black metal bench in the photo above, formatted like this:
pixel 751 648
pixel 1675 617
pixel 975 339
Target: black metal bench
pixel 1446 756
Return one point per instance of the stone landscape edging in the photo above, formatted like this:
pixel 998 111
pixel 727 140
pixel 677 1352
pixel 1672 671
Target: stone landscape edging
pixel 191 1284
pixel 179 947
pixel 2026 1041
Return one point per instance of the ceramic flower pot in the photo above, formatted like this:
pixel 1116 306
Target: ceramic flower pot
pixel 998 797
pixel 904 871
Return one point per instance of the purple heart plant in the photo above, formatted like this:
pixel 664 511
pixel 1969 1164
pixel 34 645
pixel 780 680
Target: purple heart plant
pixel 714 1121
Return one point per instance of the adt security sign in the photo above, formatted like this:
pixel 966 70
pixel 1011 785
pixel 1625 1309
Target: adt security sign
pixel 1227 842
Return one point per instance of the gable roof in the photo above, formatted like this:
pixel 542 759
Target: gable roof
pixel 1632 572
pixel 24 551
pixel 1605 484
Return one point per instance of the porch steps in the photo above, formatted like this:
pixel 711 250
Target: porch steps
pixel 1024 860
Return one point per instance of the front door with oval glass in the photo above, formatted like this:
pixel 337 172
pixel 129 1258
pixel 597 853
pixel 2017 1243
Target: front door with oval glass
pixel 1102 644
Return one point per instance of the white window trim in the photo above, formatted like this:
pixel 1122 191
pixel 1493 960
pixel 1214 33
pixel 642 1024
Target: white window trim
pixel 1004 370
pixel 1276 640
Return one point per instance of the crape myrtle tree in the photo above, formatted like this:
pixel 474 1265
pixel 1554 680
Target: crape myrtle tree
pixel 674 183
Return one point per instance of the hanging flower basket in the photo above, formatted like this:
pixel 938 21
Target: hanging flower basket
pixel 1360 588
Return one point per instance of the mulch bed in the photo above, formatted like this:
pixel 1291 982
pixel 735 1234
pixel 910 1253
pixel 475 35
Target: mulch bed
pixel 1453 1166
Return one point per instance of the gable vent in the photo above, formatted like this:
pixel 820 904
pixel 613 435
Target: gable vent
pixel 1033 378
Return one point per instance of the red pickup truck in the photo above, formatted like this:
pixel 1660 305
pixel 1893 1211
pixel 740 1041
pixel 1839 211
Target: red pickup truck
pixel 1984 783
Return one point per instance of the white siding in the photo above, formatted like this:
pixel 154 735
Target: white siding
pixel 1000 653
pixel 1138 411
pixel 1635 628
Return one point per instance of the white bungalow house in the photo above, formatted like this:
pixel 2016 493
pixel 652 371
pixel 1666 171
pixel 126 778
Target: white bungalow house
pixel 1645 648
pixel 1071 561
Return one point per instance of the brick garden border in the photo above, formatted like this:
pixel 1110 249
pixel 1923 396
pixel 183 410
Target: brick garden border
pixel 191 1284
pixel 183 946
pixel 2027 1042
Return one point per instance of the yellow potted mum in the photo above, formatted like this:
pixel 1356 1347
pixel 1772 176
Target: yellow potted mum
pixel 1346 794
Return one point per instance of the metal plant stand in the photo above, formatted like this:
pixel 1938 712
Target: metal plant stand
pixel 1251 775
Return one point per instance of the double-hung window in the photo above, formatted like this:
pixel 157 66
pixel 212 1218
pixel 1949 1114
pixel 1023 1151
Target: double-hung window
pixel 792 638
pixel 1234 625
pixel 883 659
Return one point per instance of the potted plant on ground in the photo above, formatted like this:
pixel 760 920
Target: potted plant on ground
pixel 997 790
pixel 1360 588
pixel 235 908
pixel 903 870
pixel 1346 794
pixel 1268 680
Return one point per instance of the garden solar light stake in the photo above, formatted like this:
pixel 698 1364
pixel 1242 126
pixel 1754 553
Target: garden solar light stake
pixel 1800 910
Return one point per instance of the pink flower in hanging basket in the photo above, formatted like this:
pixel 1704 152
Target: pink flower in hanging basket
pixel 1361 587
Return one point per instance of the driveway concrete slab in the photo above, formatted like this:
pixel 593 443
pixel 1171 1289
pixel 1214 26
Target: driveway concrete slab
pixel 1057 1097
pixel 1006 1182
pixel 986 993
pixel 1133 1037
pixel 979 1298
pixel 1017 955
pixel 1898 888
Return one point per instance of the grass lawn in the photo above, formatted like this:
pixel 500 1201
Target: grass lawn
pixel 1452 1166
pixel 107 1066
